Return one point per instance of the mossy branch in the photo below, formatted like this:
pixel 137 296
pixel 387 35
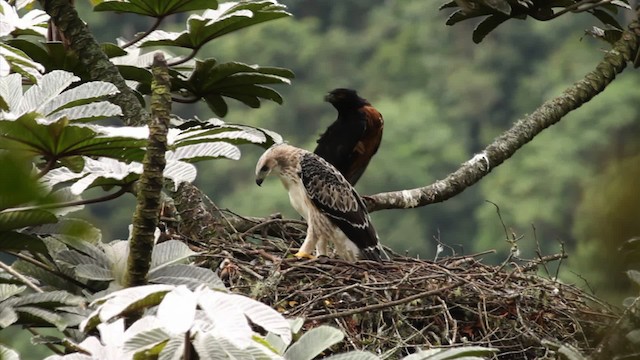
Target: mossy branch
pixel 523 131
pixel 145 219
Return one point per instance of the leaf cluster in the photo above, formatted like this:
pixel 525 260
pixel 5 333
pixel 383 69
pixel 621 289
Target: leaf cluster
pixel 496 12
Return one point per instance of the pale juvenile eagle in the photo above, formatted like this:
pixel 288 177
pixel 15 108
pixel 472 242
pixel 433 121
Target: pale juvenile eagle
pixel 352 140
pixel 332 208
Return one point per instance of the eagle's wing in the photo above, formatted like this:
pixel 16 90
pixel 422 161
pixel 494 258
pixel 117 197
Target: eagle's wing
pixel 337 143
pixel 367 145
pixel 337 199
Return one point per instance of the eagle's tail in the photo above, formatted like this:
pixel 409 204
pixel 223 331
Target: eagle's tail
pixel 375 253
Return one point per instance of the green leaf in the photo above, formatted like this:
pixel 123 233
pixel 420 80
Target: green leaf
pixel 212 81
pixel 9 290
pixel 32 23
pixel 147 339
pixel 313 342
pixel 50 299
pixel 125 301
pixel 40 317
pixel 606 18
pixel 634 336
pixel 170 252
pixel 205 151
pixel 93 272
pixel 229 17
pixel 178 274
pixel 353 355
pixel 18 241
pixel 14 59
pixel 486 26
pixel 18 186
pixel 155 8
pixel 462 352
pixel 8 353
pixel 634 275
pixel 8 316
pixel 10 220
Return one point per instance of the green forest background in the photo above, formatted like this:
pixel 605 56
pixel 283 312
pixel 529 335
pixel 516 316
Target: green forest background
pixel 444 99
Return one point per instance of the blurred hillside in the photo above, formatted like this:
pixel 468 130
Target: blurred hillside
pixel 443 98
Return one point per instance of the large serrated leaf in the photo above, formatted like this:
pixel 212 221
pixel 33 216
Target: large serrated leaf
pixel 8 353
pixel 13 59
pixel 40 317
pixel 93 272
pixel 205 151
pixel 168 253
pixel 229 17
pixel 354 355
pixel 47 89
pixel 124 301
pixel 18 241
pixel 155 8
pixel 88 112
pixel 50 299
pixel 146 339
pixel 8 316
pixel 83 94
pixel 182 271
pixel 9 290
pixel 462 352
pixel 10 220
pixel 174 349
pixel 313 342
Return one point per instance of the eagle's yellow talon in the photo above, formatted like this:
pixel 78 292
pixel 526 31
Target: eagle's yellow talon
pixel 304 255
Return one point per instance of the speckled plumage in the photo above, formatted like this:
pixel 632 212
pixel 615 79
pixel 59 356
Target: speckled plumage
pixel 319 192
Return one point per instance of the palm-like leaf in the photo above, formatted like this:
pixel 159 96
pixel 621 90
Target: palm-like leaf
pixel 495 12
pixel 155 8
pixel 13 59
pixel 33 22
pixel 246 83
pixel 229 17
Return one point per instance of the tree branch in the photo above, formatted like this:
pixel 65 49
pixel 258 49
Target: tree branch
pixel 523 131
pixel 145 219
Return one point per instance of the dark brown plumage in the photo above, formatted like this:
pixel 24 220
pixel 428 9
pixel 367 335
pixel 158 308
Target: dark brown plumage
pixel 352 140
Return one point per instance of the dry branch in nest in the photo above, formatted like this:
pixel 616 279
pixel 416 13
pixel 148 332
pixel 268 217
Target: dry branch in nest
pixel 396 307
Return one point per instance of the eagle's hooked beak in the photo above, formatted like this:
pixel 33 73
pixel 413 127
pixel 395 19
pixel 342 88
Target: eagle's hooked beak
pixel 259 181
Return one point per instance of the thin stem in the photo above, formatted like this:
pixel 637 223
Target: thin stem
pixel 144 34
pixel 49 346
pixel 185 59
pixel 20 277
pixel 47 268
pixel 576 8
pixel 115 195
pixel 47 167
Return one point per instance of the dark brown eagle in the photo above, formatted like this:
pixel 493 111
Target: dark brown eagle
pixel 352 140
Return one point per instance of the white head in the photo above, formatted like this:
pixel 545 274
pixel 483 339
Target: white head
pixel 276 158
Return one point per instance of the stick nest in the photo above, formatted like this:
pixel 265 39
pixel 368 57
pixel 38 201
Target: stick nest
pixel 394 308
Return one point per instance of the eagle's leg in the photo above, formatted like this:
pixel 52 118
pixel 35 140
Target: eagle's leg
pixel 321 247
pixel 306 250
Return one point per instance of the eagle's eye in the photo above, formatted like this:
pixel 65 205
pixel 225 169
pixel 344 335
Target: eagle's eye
pixel 264 168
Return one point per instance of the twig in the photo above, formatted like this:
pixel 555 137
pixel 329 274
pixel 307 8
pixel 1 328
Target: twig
pixel 144 34
pixel 20 277
pixel 123 190
pixel 382 305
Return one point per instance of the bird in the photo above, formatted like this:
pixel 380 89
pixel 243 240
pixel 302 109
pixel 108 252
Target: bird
pixel 324 198
pixel 354 137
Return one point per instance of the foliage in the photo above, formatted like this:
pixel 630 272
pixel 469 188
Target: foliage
pixel 495 12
